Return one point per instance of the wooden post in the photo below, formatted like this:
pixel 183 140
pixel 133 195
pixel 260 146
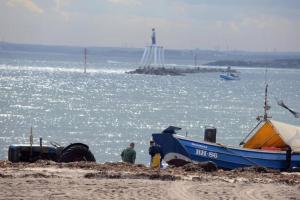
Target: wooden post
pixel 31 141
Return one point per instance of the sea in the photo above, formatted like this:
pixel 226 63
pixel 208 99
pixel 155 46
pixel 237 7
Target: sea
pixel 107 109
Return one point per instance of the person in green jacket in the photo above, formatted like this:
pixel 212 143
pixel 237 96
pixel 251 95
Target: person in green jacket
pixel 128 155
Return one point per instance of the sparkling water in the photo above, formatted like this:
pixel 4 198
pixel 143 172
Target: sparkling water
pixel 107 109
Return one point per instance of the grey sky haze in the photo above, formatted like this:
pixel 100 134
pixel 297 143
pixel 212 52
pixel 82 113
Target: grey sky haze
pixel 253 25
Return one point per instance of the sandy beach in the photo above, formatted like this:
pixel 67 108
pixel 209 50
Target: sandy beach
pixel 49 180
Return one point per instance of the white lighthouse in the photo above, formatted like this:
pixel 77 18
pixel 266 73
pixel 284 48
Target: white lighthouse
pixel 153 54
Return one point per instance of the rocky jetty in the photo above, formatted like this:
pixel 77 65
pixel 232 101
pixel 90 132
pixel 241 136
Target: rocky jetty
pixel 175 71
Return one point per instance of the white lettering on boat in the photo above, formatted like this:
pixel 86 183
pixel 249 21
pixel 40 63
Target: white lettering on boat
pixel 205 153
pixel 199 145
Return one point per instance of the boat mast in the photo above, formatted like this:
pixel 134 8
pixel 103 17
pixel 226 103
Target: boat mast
pixel 266 105
pixel 259 117
pixel 265 117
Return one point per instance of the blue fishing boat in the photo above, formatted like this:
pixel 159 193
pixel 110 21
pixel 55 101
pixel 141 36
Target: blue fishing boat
pixel 230 75
pixel 270 144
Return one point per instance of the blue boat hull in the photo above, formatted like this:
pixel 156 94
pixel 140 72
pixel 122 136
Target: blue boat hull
pixel 178 151
pixel 229 78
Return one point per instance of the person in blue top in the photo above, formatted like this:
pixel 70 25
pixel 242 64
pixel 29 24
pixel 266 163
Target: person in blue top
pixel 156 155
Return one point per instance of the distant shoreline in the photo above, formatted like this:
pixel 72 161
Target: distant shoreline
pixel 280 63
pixel 184 57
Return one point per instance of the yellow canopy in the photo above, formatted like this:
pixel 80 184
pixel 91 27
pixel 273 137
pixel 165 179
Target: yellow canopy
pixel 275 134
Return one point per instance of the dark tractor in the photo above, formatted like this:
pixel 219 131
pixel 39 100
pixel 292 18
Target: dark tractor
pixel 31 153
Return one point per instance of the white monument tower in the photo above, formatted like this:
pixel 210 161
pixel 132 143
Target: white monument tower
pixel 153 54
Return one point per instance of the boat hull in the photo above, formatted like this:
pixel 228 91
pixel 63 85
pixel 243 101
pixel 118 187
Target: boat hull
pixel 229 78
pixel 178 151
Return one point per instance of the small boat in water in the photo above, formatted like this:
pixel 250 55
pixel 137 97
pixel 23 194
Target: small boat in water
pixel 270 144
pixel 230 75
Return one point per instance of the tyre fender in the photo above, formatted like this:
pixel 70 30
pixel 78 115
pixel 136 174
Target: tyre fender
pixel 74 144
pixel 76 152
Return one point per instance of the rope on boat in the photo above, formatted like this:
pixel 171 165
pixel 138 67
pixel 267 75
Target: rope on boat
pixel 243 142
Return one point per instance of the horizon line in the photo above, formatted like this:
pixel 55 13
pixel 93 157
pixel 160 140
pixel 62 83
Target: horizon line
pixel 175 49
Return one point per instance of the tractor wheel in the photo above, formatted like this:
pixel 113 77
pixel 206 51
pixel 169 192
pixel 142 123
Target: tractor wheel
pixel 77 153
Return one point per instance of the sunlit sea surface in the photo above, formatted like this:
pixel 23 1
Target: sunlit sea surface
pixel 107 109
